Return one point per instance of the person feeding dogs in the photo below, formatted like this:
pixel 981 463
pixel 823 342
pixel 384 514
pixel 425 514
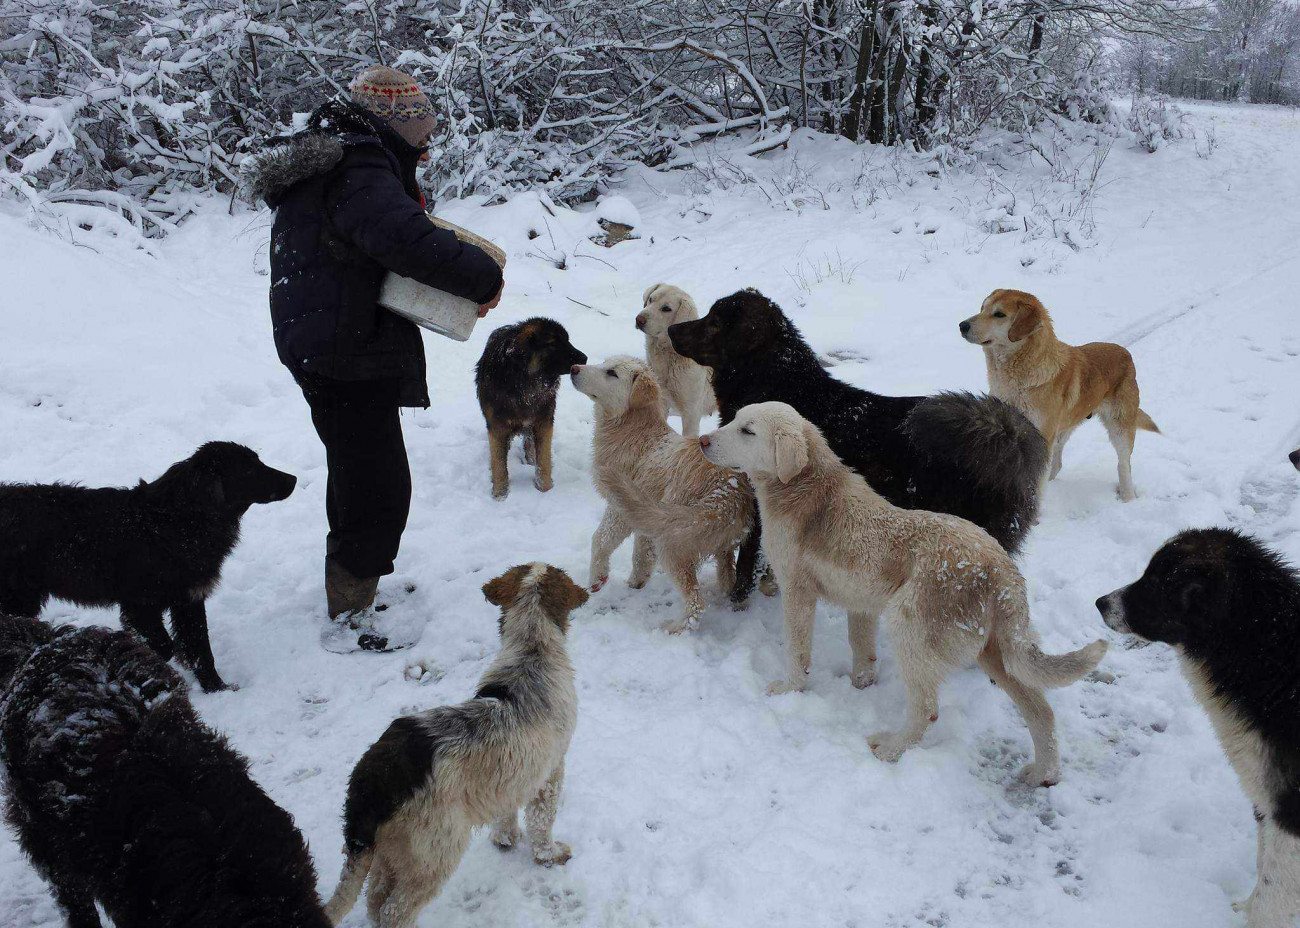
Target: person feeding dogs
pixel 348 214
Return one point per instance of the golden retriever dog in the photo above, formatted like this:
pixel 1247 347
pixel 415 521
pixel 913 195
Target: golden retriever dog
pixel 417 794
pixel 1057 385
pixel 949 592
pixel 644 470
pixel 688 386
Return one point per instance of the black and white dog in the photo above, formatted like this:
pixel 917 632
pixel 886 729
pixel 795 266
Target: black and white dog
pixel 1230 608
pixel 156 546
pixel 417 793
pixel 121 796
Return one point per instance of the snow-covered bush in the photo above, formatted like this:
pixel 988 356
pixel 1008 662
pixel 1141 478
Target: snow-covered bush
pixel 154 99
pixel 1154 121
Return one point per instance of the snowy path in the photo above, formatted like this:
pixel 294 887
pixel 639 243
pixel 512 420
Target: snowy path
pixel 691 798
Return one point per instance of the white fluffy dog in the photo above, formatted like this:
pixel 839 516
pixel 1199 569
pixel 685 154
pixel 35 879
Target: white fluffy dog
pixel 688 386
pixel 658 485
pixel 949 591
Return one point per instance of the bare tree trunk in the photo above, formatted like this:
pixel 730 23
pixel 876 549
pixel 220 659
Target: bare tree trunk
pixel 860 99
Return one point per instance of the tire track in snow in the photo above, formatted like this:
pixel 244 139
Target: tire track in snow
pixel 1153 322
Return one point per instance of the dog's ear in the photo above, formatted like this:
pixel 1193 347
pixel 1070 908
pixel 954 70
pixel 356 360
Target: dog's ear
pixel 1029 319
pixel 504 589
pixel 649 291
pixel 560 596
pixel 645 390
pixel 791 450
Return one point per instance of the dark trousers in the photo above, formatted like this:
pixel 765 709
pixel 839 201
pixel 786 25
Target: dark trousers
pixel 368 494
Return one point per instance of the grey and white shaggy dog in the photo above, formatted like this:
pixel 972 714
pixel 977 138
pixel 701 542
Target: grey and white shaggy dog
pixel 158 546
pixel 120 795
pixel 416 795
pixel 1230 607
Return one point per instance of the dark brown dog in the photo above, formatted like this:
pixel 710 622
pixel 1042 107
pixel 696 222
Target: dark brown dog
pixel 517 379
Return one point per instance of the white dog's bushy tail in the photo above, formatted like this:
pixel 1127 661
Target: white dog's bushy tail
pixel 355 870
pixel 1026 662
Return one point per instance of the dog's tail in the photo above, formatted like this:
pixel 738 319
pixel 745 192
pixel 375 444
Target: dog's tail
pixel 355 870
pixel 1025 661
pixel 1147 424
pixel 978 458
pixel 19 637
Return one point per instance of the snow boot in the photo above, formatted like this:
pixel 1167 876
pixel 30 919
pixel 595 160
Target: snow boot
pixel 350 601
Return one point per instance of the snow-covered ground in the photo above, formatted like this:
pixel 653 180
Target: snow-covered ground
pixel 691 798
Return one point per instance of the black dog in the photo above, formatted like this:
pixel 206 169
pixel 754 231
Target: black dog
pixel 157 546
pixel 1231 609
pixel 971 456
pixel 517 379
pixel 120 795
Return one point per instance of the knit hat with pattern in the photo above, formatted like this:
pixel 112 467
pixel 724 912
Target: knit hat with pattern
pixel 396 98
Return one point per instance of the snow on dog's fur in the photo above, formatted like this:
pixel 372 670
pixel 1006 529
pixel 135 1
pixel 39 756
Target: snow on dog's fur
pixel 417 793
pixel 949 591
pixel 688 386
pixel 1230 608
pixel 659 486
pixel 121 796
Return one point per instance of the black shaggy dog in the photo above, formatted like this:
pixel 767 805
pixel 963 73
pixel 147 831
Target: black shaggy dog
pixel 121 796
pixel 154 547
pixel 971 456
pixel 517 379
pixel 1230 608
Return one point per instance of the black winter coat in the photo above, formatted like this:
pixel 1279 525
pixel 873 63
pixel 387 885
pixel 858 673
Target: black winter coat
pixel 347 211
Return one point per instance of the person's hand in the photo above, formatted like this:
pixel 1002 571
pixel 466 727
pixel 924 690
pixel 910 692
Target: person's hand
pixel 491 304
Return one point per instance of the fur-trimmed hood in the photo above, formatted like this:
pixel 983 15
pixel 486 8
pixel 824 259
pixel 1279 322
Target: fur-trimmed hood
pixel 317 150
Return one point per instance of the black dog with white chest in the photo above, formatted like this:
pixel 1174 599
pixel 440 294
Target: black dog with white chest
pixel 1230 607
pixel 120 795
pixel 157 546
pixel 967 455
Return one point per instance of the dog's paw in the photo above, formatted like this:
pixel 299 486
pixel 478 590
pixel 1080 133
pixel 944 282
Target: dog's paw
pixel 767 584
pixel 888 746
pixel 861 679
pixel 500 492
pixel 1040 774
pixel 595 586
pixel 1244 906
pixel 781 687
pixel 214 684
pixel 677 626
pixel 543 483
pixel 508 837
pixel 557 855
pixel 1126 494
pixel 637 583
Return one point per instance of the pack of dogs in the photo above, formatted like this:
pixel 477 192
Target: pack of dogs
pixel 909 510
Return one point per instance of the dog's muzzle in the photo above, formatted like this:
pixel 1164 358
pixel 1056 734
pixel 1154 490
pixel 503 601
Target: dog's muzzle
pixel 1111 607
pixel 964 328
pixel 640 321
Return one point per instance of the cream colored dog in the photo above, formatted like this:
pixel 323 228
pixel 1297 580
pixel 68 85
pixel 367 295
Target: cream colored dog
pixel 949 592
pixel 688 386
pixel 1057 385
pixel 642 468
pixel 417 794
